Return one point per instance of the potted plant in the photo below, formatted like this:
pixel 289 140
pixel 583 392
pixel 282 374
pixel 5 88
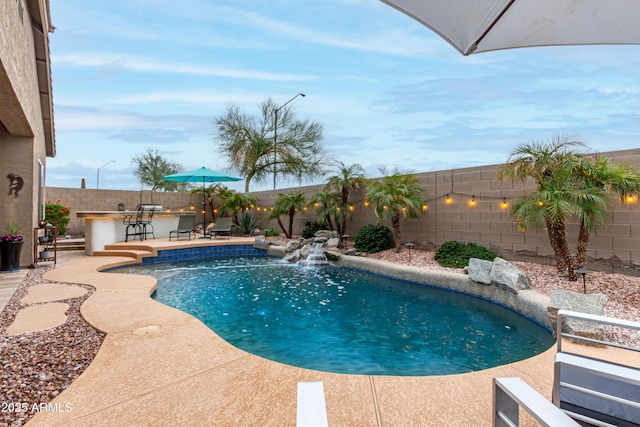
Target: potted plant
pixel 10 247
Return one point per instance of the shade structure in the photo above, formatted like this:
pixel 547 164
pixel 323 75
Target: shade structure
pixel 473 26
pixel 204 176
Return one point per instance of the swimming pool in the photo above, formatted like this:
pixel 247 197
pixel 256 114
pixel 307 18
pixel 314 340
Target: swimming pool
pixel 345 320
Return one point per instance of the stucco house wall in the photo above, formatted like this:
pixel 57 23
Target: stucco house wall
pixel 26 113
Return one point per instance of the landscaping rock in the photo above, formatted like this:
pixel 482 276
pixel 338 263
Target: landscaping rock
pixel 480 270
pixel 320 239
pixel 351 251
pixel 508 277
pixel 583 303
pixel 326 233
pixel 293 257
pixel 291 246
pixel 332 255
pixel 261 244
pixel 333 242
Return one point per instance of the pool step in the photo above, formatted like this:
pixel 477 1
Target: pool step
pixel 132 253
pixel 312 409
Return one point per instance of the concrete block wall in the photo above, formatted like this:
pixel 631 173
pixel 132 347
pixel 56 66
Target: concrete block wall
pixel 486 222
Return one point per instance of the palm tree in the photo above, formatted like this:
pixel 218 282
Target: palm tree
pixel 326 204
pixel 550 163
pixel 212 192
pixel 601 179
pixel 288 204
pixel 395 196
pixel 235 203
pixel 347 179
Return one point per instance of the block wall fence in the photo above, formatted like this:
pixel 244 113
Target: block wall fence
pixel 485 221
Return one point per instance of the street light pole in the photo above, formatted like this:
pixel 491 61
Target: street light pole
pixel 98 174
pixel 275 137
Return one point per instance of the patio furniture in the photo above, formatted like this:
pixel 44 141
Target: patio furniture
pixel 186 224
pixel 223 227
pixel 591 391
pixel 137 224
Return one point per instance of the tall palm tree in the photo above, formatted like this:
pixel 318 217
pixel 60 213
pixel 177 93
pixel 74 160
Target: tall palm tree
pixel 347 179
pixel 395 196
pixel 288 204
pixel 550 163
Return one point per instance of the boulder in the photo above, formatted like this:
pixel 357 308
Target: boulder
pixel 480 270
pixel 333 242
pixel 351 251
pixel 261 244
pixel 320 239
pixel 327 233
pixel 332 255
pixel 291 246
pixel 508 277
pixel 294 256
pixel 583 303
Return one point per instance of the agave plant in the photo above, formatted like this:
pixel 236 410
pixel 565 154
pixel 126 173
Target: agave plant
pixel 246 223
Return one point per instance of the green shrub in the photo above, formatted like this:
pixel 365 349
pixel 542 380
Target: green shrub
pixel 247 223
pixel 272 232
pixel 311 228
pixel 58 215
pixel 373 238
pixel 455 254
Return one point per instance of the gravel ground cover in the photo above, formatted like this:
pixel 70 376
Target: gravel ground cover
pixel 38 366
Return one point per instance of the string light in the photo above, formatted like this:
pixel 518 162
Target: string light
pixel 540 203
pixel 504 203
pixel 181 209
pixel 351 208
pixel 472 202
pixel 366 204
pixel 447 199
pixel 425 207
pixel 631 199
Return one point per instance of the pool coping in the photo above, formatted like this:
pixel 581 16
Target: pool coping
pixel 161 366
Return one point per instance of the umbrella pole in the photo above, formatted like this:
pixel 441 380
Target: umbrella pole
pixel 204 211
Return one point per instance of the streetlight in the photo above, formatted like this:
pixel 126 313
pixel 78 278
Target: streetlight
pixel 98 174
pixel 275 137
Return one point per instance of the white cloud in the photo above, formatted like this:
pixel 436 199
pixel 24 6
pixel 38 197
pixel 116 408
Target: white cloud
pixel 138 64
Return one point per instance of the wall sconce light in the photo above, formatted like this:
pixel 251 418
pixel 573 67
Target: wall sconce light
pixel 472 202
pixel 447 199
pixel 505 205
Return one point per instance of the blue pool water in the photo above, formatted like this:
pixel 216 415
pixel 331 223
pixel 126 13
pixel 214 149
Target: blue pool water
pixel 344 320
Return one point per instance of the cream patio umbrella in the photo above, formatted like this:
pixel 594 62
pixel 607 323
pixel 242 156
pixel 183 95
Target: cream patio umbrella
pixel 473 26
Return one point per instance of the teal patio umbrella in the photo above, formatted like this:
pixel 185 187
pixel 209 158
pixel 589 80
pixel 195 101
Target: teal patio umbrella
pixel 202 175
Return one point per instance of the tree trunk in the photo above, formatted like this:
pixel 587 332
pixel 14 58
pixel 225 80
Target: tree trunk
pixel 561 236
pixel 583 241
pixel 395 225
pixel 555 245
pixel 284 230
pixel 292 213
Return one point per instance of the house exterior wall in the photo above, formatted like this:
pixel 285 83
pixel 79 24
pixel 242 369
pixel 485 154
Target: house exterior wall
pixel 614 248
pixel 22 133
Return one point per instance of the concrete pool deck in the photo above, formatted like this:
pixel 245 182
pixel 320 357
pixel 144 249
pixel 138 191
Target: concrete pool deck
pixel 160 366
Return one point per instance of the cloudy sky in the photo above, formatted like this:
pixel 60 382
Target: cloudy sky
pixel 134 74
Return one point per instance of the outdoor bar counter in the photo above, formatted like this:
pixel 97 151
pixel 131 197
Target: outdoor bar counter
pixel 105 227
